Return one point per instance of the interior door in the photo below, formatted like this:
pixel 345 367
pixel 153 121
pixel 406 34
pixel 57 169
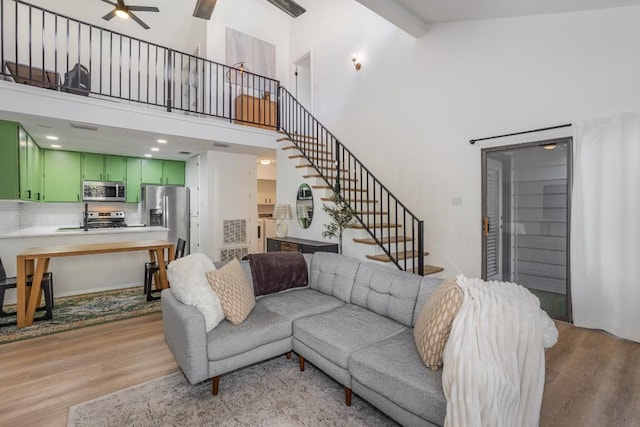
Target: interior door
pixel 525 219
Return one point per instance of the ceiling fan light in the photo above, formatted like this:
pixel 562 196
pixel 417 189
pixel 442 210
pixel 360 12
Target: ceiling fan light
pixel 121 13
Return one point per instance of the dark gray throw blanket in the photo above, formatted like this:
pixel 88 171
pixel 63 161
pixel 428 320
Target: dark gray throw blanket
pixel 276 271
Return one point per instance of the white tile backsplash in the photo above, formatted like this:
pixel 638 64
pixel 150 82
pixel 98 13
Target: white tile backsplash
pixel 9 216
pixel 33 214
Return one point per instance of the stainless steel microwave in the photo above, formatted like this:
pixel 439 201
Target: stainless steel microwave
pixel 101 191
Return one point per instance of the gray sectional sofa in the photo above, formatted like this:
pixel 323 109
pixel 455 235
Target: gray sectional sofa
pixel 354 322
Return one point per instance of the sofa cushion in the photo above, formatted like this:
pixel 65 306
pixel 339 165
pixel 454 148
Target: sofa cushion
pixel 189 285
pixel 388 292
pixel 336 333
pixel 434 323
pixel 260 327
pixel 333 274
pixel 393 368
pixel 235 293
pixel 428 285
pixel 299 303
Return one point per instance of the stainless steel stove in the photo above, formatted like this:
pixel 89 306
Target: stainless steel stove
pixel 113 219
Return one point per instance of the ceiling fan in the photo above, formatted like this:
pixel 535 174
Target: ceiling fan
pixel 123 11
pixel 204 8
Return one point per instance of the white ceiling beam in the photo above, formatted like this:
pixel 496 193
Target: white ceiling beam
pixel 398 15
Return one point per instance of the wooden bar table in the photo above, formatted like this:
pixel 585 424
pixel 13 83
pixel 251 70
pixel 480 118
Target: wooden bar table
pixel 40 256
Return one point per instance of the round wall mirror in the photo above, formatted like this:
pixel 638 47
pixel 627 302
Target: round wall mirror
pixel 304 205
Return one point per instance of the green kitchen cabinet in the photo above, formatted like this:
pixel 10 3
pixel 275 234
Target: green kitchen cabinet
pixel 92 167
pixel 34 171
pixel 62 176
pixel 9 161
pixel 101 167
pixel 173 172
pixel 151 171
pixel 134 179
pixel 115 168
pixel 20 171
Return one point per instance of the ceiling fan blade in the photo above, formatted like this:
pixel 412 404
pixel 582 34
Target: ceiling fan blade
pixel 289 6
pixel 109 15
pixel 121 4
pixel 138 20
pixel 204 8
pixel 144 8
pixel 110 2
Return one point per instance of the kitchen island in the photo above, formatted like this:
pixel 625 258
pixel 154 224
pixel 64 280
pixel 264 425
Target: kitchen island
pixel 83 273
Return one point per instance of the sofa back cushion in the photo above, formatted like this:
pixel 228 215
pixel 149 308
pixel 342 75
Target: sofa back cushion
pixel 333 274
pixel 427 286
pixel 387 292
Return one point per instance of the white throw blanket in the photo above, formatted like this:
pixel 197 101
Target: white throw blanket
pixel 493 371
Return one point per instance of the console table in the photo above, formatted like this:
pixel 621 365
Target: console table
pixel 258 112
pixel 292 244
pixel 40 257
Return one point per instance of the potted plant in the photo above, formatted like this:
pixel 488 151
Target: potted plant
pixel 341 215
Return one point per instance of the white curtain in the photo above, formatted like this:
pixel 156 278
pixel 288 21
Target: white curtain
pixel 605 225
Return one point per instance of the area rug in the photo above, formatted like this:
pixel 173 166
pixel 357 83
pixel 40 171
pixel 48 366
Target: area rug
pixel 79 311
pixel 271 393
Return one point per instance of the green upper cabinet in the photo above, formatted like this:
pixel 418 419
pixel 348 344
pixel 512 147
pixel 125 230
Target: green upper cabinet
pixel 134 179
pixel 62 176
pixel 9 161
pixel 115 168
pixel 20 168
pixel 34 171
pixel 101 167
pixel 151 171
pixel 173 172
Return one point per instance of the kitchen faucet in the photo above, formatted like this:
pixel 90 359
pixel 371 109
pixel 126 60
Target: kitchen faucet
pixel 85 222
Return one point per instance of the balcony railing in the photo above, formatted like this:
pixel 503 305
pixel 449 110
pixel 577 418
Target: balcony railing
pixel 46 49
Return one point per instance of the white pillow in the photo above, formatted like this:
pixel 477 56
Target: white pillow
pixel 187 276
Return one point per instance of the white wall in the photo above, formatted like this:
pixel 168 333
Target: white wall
pixel 229 192
pixel 409 112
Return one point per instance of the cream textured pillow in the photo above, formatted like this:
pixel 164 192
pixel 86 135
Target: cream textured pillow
pixel 189 285
pixel 235 293
pixel 433 325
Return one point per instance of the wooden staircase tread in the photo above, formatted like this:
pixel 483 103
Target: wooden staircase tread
pixel 310 149
pixel 429 269
pixel 319 167
pixel 328 187
pixel 380 225
pixel 286 137
pixel 320 176
pixel 400 256
pixel 385 240
pixel 328 199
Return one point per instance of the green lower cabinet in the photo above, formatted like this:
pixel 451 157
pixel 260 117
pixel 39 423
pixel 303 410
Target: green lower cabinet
pixel 134 179
pixel 62 176
pixel 151 171
pixel 173 172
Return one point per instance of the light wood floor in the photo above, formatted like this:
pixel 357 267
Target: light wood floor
pixel 592 379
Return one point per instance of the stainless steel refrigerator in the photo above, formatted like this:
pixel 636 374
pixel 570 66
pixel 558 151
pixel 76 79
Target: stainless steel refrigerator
pixel 167 206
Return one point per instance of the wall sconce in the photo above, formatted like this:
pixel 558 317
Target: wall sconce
pixel 356 64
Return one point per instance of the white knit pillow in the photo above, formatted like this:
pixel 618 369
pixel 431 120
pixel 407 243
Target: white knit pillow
pixel 188 280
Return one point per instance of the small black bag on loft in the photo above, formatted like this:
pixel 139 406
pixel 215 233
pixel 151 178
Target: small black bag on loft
pixel 77 80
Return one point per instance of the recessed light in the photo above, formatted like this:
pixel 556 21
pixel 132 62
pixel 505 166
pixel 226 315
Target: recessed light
pixel 162 141
pixel 550 146
pixel 55 146
pixel 51 137
pixel 265 161
pixel 148 155
pixel 155 149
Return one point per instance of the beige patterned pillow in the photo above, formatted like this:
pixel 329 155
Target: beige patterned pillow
pixel 433 326
pixel 233 290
